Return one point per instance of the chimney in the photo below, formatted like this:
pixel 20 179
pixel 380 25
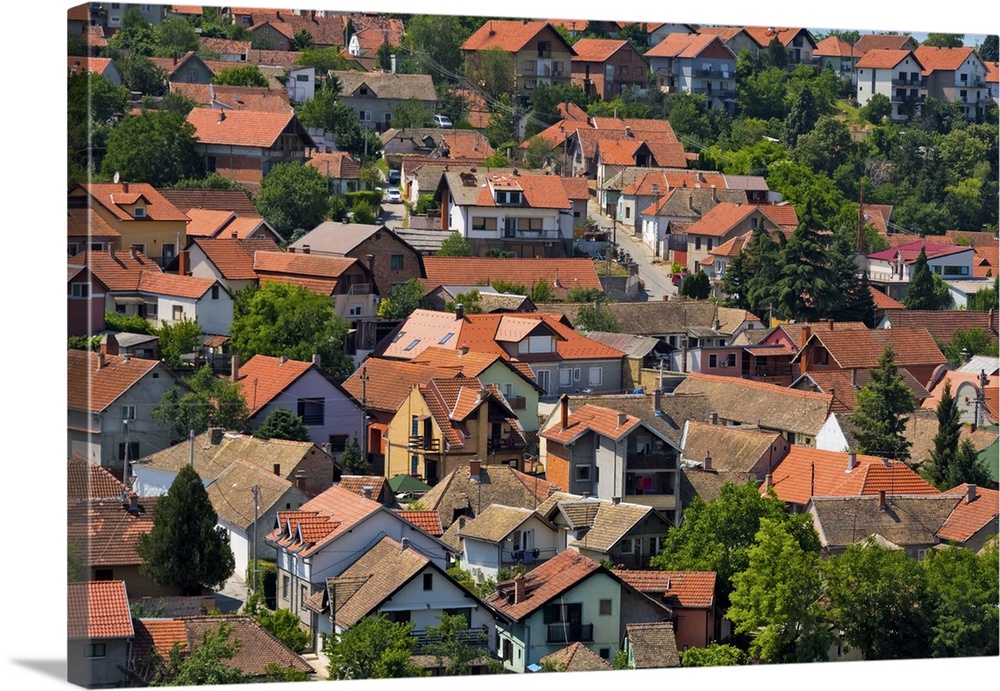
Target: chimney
pixel 277 469
pixel 124 187
pixel 852 461
pixel 101 361
pixel 854 378
pixel 133 504
pixel 222 116
pixel 715 197
pixel 474 468
pixel 234 235
pixel 291 250
pixel 367 490
pixel 463 350
pixel 657 395
pixel 970 493
pixel 306 249
pixel 807 333
pixel 460 311
pixel 236 368
pixel 707 463
pixel 767 481
pixel 615 501
pixel 881 498
pixel 371 262
pixel 515 172
pixel 622 419
pixel 317 359
pixel 518 588
pixel 564 411
pixel 628 131
pixel 282 360
pixel 183 261
pixel 691 202
pixel 110 345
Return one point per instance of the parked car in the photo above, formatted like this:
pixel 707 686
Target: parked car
pixel 393 177
pixel 442 121
pixel 393 196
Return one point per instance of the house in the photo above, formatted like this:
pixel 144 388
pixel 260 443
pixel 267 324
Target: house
pixel 234 201
pixel 897 75
pixel 568 599
pixel 973 521
pixel 327 534
pixel 301 85
pixel 900 521
pixel 110 401
pixel 540 55
pixel 339 168
pixel 226 49
pixel 308 466
pixel 99 627
pixel 243 145
pixel 257 647
pixel 230 261
pixel 836 54
pixel 891 270
pixel 447 423
pixel 345 280
pixel 216 223
pixel 641 352
pixel 110 15
pixel 504 536
pixel 626 534
pixel 665 222
pixel 85 295
pixel 696 64
pixel 374 487
pixel 975 394
pixel 736 38
pixel 607 67
pixel 142 218
pixel 651 645
pixel 189 68
pixel 610 454
pixel 228 98
pixel 489 299
pixel 87 229
pixel 726 221
pixel 391 259
pixel 955 75
pixel 561 274
pixel 268 383
pixel 247 498
pixel 576 657
pixel 137 286
pixel 102 66
pixel 869 42
pixel 556 354
pixel 797 415
pixel 102 535
pixel 806 473
pixel 843 385
pixel 690 595
pixel 457 147
pixel 749 452
pixel 373 32
pixel 375 95
pixel 395 580
pixel 943 324
pixel 798 43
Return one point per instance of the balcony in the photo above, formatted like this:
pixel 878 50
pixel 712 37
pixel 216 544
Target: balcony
pixel 650 461
pixel 919 81
pixel 525 556
pixel 360 289
pixel 570 632
pixel 477 638
pixel 420 443
pixel 504 444
pixel 716 93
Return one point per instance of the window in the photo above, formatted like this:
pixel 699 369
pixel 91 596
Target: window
pixel 713 360
pixel 628 545
pixel 921 554
pixel 507 650
pixel 400 616
pixel 139 212
pixel 151 310
pixel 97 246
pixel 284 587
pixel 80 290
pixel 543 379
pixel 215 292
pixel 128 412
pixel 311 410
pixel 731 359
pixel 104 574
pixel 655 545
pixel 137 247
pixel 697 243
pixel 365 115
pixel 132 449
pixel 605 653
pixel 964 78
pixel 428 581
pixel 303 594
pixel 413 344
pixel 529 66
pixel 596 376
pixel 414 464
pixel 565 377
pixel 178 312
pixel 576 374
pixel 709 248
pixel 956 271
pixel 583 473
pixel 302 77
pixel 210 164
pixel 628 212
pixel 605 607
pixel 96 650
pixel 355 311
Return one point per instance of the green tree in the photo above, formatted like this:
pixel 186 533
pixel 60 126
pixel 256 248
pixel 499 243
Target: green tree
pixel 352 461
pixel 244 75
pixel 324 60
pixel 878 599
pixel 938 471
pixel 178 339
pixel 471 302
pixel 500 128
pixel 963 599
pixel 762 95
pixel 141 74
pixel 974 341
pixel 292 321
pixel 175 102
pixel 133 323
pixel 212 181
pixel 374 648
pixel 696 286
pixel 301 40
pixel 426 203
pixel 496 159
pixel 536 152
pixel 715 655
pixel 492 70
pixel 808 288
pixel 774 54
pixel 204 664
pixel 176 36
pixel 854 301
pixel 453 652
pixel 988 51
pixel 185 549
pixel 967 467
pixel 362 212
pixel 921 294
pixel 411 113
pixel 135 37
pixel 276 673
pixel 541 291
pixel 826 146
pixel 293 196
pixel 578 294
pixel 778 598
pixel 437 40
pixel 206 401
pixel 944 40
pixel 593 318
pixel 802 117
pixel 403 298
pixel 284 626
pixel 877 109
pixel 76 566
pixel 283 423
pixel 155 147
pixel 878 418
pixel 455 245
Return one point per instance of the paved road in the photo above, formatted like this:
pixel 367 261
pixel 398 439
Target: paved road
pixel 392 215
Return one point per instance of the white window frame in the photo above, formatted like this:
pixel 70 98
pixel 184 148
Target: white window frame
pixel 139 212
pixel 565 377
pixel 355 311
pixel 597 380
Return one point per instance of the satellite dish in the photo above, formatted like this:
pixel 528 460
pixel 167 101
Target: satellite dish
pixel 117 177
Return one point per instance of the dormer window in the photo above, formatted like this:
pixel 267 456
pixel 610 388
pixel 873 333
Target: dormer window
pixel 508 196
pixel 139 212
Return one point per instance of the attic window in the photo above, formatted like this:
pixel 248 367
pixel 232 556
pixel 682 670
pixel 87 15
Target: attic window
pixel 445 339
pixel 140 212
pixel 363 90
pixel 413 344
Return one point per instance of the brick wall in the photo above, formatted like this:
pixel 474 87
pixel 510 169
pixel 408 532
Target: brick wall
pixel 383 246
pixel 557 466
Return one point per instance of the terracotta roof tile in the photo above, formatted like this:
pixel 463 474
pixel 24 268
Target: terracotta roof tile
pixel 682 45
pixel 544 583
pixel 263 378
pixel 98 609
pixel 763 35
pixel 591 418
pixel 695 589
pixel 653 644
pixel 376 485
pixel 467 144
pixel 508 35
pixel 384 568
pixel 159 283
pixel 942 324
pixel 96 37
pixel 969 517
pixel 105 533
pixel 577 657
pixel 95 389
pixel 934 58
pixel 88 223
pixel 224 45
pixel 258 99
pixel 883 301
pixel 879 59
pixel 207 222
pixel 853 349
pixel 730 448
pixel 721 219
pixel 78 65
pixel 257 649
pixel 843 386
pixel 236 201
pixel 726 33
pixel 113 196
pixel 834 47
pixel 869 42
pixel 340 509
pixel 337 165
pixel 239 127
pixel 159 635
pixel 597 49
pixel 86 479
pixel 389 382
pixel 428 521
pixel 319 273
pixel 498 484
pixel 561 274
pixel 234 257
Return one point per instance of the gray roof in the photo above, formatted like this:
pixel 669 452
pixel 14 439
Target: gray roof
pixel 978 363
pixel 693 202
pixel 232 493
pixel 387 85
pixel 495 523
pixel 577 657
pixel 498 484
pixel 731 448
pixel 661 318
pixel 331 237
pixel 129 340
pixel 632 345
pixel 746 182
pixel 653 644
pixel 706 484
pixel 906 520
pixel 425 241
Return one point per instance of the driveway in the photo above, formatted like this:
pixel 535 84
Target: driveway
pixel 392 214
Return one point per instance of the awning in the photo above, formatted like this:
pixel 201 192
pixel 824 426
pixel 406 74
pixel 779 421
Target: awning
pixel 121 300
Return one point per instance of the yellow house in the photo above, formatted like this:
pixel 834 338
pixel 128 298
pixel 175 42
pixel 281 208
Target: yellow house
pixel 143 218
pixel 445 423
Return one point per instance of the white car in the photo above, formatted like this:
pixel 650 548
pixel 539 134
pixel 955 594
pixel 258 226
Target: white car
pixel 442 121
pixel 393 196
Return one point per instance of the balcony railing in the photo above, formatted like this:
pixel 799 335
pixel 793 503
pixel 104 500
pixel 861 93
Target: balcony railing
pixel 478 638
pixel 424 443
pixel 360 289
pixel 499 445
pixel 517 402
pixel 649 461
pixel 566 632
pixel 919 81
pixel 509 557
pixel 717 93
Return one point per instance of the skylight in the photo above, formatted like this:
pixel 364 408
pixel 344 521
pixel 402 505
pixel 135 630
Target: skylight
pixel 445 338
pixel 413 344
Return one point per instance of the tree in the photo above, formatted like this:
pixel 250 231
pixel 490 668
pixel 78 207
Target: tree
pixel 802 117
pixel 921 293
pixel 496 159
pixel 988 51
pixel 206 401
pixel 437 40
pixel 825 146
pixel 696 286
pixel 578 294
pixel 403 298
pixel 374 648
pixel 362 212
pixel 944 40
pixel 946 440
pixel 283 423
pixel 352 461
pixel 762 95
pixel 807 288
pixel 411 113
pixel 715 655
pixel 974 341
pixel 155 147
pixel 777 599
pixel 212 181
pixel 492 70
pixel 244 75
pixel 717 535
pixel 293 196
pixel 132 323
pixel 455 245
pixel 500 128
pixel 541 291
pixel 135 37
pixel 292 321
pixel 451 650
pixel 142 75
pixel 203 664
pixel 185 549
pixel 178 339
pixel 877 109
pixel 175 102
pixel 774 54
pixel 470 301
pixel 878 599
pixel 854 301
pixel 176 36
pixel 963 599
pixel 302 39
pixel 879 425
pixel 284 625
pixel 593 318
pixel 324 60
pixel 967 467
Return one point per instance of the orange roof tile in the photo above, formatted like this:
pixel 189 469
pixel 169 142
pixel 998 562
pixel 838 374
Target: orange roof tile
pixel 95 37
pixel 508 35
pixel 561 274
pixel 883 59
pixel 98 609
pixel 992 72
pixel 544 583
pixel 224 45
pixel 207 223
pixel 724 32
pixel 721 219
pixel 95 389
pixel 263 378
pixel 341 509
pixel 834 47
pixel 783 215
pixel 111 196
pixel 942 324
pixel 573 112
pixel 159 635
pixel 78 65
pixel 619 152
pixel 173 285
pixel 883 301
pixel 763 35
pixel 335 164
pixel 116 270
pixel 467 144
pixel 389 381
pixel 869 42
pixel 242 227
pixel 234 257
pixel 969 517
pixel 597 49
pixel 86 479
pixel 428 521
pixel 591 418
pixel 106 533
pixel 239 127
pixel 88 223
pixel 235 97
pixel 934 58
pixel 677 588
pixel 853 349
pixel 682 45
pixel 669 179
pixel 807 472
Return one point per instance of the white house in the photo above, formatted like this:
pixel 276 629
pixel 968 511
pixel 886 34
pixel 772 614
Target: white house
pixel 696 64
pixel 956 75
pixel 301 83
pixel 505 536
pixel 897 75
pixel 891 270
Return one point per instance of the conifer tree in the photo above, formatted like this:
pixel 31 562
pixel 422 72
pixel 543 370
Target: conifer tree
pixel 807 288
pixel 945 441
pixel 922 293
pixel 877 418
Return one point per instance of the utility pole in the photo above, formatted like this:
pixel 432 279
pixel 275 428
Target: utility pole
pixel 191 445
pixel 364 412
pixel 253 550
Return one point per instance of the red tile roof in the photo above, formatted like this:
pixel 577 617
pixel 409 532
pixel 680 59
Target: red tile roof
pixel 726 33
pixel 106 533
pixel 591 418
pixel 95 389
pixel 883 301
pixel 86 479
pixel 235 97
pixel 389 381
pixel 117 270
pixel 318 273
pixel 544 583
pixel 98 609
pixel 158 634
pixel 113 196
pixel 806 472
pixel 467 144
pixel 508 35
pixel 834 47
pixel 682 46
pixel 173 285
pixel 910 251
pixel 428 521
pixel 573 112
pixel 596 49
pixel 263 378
pixel 326 517
pixel 934 58
pixel 78 65
pixel 852 349
pixel 678 588
pixel 992 72
pixel 234 257
pixel 617 152
pixel 88 223
pixel 239 127
pixel 207 223
pixel 780 214
pixel 763 35
pixel 561 274
pixel 721 219
pixel 95 37
pixel 878 59
pixel 869 42
pixel 224 45
pixel 942 324
pixel 969 517
pixel 337 165
pixel 236 201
